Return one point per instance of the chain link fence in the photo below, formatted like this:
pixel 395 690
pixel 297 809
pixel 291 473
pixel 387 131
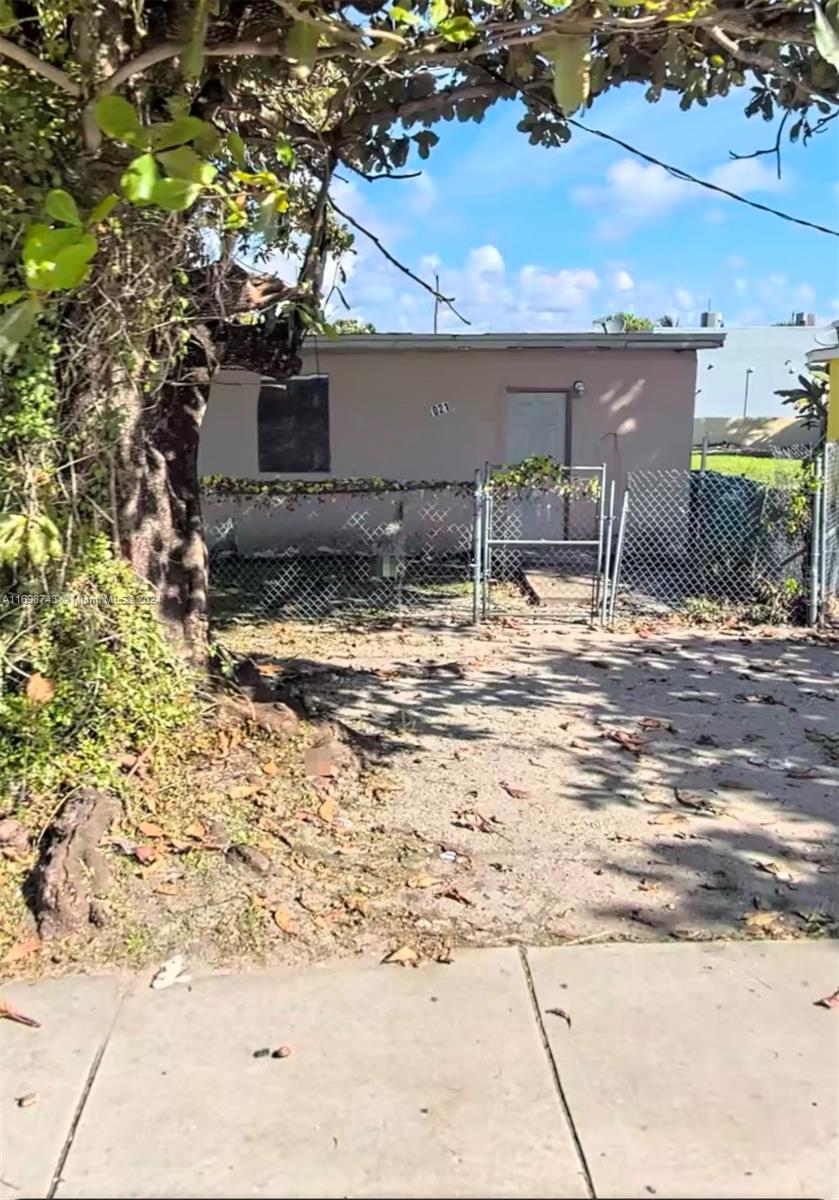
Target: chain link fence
pixel 543 543
pixel 308 554
pixel 702 543
pixel 709 542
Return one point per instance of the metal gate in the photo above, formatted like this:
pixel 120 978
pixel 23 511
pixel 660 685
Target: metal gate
pixel 543 547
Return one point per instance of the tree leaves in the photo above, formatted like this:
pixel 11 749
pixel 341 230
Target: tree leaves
pixel 184 163
pixel 301 43
pixel 826 37
pixel 176 133
pixel 457 29
pixel 236 146
pixel 61 206
pixel 118 119
pixel 54 259
pixel 15 324
pixel 571 59
pixel 101 210
pixel 139 178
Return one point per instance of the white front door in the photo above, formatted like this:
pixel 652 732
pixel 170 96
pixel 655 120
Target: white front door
pixel 535 424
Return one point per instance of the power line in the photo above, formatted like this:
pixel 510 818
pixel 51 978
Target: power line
pixel 676 172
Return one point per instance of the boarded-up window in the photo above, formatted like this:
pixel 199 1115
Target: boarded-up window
pixel 293 424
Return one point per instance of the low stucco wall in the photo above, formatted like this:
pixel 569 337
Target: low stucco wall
pixel 754 431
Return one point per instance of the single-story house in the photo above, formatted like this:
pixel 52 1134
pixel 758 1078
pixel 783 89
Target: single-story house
pixel 436 407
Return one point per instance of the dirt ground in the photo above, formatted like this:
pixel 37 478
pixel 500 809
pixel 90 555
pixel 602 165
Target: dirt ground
pixel 625 784
pixel 510 782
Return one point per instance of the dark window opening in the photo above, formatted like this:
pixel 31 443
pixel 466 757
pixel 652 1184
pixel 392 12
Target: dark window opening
pixel 293 425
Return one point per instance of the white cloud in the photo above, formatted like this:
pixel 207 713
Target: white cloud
pixel 804 294
pixel 623 281
pixel 633 194
pixel 746 175
pixel 740 287
pixel 714 216
pixel 683 298
pixel 735 262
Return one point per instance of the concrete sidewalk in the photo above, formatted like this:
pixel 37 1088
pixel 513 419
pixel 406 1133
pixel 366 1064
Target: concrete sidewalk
pixel 688 1071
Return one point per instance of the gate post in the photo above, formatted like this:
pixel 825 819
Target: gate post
pixel 816 547
pixel 477 549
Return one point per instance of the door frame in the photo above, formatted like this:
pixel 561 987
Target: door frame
pixel 568 392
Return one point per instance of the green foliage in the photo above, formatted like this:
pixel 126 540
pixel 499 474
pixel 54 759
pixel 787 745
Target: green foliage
pixel 220 487
pixel 346 325
pixel 61 206
pixel 541 471
pixel 56 258
pixel 16 324
pixel 809 399
pixel 570 58
pixel 117 684
pixel 632 323
pixel 28 540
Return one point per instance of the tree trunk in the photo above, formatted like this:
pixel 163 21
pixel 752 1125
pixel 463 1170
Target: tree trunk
pixel 158 504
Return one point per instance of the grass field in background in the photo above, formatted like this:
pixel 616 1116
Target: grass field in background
pixel 779 471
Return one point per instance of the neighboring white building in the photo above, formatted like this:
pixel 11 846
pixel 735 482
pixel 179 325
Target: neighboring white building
pixel 762 359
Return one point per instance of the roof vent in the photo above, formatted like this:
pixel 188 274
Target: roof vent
pixel 710 320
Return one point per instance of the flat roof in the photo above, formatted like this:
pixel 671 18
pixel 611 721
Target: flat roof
pixel 663 339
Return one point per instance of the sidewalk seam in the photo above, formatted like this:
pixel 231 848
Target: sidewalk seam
pixel 560 1091
pixel 88 1085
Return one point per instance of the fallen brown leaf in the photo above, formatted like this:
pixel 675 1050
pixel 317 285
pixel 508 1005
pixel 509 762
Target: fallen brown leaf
pixel 452 893
pixel 10 1013
pixel 270 768
pixel 355 904
pixel 667 818
pixel 284 922
pixel 656 723
pixel 39 689
pixel 763 920
pixel 150 829
pixel 831 1001
pixel 516 792
pixel 757 698
pixel 165 888
pixel 470 818
pixel 241 791
pixel 776 869
pixel 629 741
pixel 22 949
pixel 328 811
pixel 145 854
pixel 559 1012
pixel 404 956
pixel 422 881
pixel 196 830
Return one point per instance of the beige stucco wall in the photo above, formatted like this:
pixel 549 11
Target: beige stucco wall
pixel 754 431
pixel 637 410
pixel 636 413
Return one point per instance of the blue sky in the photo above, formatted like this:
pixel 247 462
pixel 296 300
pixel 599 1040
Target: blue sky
pixel 528 238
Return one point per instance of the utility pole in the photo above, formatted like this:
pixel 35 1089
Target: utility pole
pixel 436 299
pixel 749 373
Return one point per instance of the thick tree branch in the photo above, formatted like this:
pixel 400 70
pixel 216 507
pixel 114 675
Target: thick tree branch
pixel 762 62
pixel 37 65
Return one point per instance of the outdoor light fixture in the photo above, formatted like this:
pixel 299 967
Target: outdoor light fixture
pixel 579 387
